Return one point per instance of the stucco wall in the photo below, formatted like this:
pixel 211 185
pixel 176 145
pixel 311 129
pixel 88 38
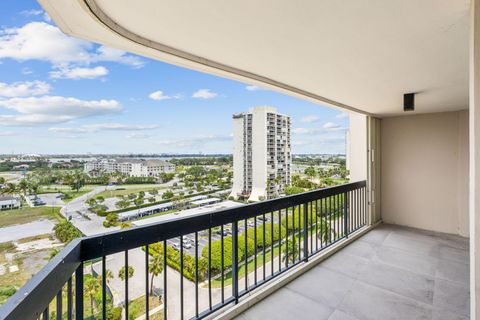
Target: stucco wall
pixel 424 171
pixel 357 147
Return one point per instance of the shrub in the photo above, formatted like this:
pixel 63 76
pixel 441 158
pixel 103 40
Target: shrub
pixel 268 235
pixel 216 262
pixel 167 195
pixel 7 291
pixel 66 232
pixel 293 190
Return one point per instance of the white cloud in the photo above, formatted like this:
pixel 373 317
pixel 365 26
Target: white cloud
pixel 31 12
pixel 54 109
pixel 253 88
pixel 159 95
pixel 32 119
pixel 45 42
pixel 342 115
pixel 204 94
pixel 327 127
pixel 195 142
pixel 22 89
pixel 138 136
pixel 115 55
pixel 310 119
pixel 7 133
pixel 79 73
pixel 302 130
pixel 89 128
pixel 331 126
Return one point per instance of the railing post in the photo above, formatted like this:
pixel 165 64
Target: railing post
pixel 79 292
pixel 235 261
pixel 305 232
pixel 345 217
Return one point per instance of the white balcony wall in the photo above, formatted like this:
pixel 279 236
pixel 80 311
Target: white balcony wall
pixel 424 165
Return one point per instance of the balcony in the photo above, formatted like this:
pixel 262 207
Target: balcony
pixel 390 273
pixel 200 283
pixel 335 266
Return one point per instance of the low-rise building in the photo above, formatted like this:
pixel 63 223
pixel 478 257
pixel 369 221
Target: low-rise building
pixel 131 167
pixel 9 202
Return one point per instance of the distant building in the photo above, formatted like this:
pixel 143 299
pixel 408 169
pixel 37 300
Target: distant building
pixel 9 202
pixel 262 154
pixel 130 167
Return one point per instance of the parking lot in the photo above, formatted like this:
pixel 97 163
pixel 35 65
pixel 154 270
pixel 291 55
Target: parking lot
pixel 189 239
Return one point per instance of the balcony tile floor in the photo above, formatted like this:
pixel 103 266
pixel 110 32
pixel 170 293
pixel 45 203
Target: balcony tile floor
pixel 390 273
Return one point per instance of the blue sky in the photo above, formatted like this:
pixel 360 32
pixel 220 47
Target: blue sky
pixel 63 95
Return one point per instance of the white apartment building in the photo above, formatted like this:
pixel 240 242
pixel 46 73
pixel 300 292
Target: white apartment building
pixel 130 167
pixel 262 153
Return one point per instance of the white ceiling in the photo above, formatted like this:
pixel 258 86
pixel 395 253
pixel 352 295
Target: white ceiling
pixel 362 54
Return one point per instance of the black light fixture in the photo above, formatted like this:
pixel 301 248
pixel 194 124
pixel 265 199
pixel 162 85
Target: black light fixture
pixel 409 102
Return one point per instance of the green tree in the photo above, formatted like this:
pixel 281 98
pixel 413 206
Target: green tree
pixel 122 204
pixel 167 195
pixel 23 186
pixel 121 272
pixel 155 267
pixel 310 172
pixel 291 254
pixel 91 287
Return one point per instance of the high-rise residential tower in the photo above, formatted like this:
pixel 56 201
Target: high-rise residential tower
pixel 262 153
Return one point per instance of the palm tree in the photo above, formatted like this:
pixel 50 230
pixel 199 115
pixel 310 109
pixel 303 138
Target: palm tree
pixel 121 272
pixel 292 252
pixel 23 186
pixel 108 276
pixel 155 268
pixel 91 288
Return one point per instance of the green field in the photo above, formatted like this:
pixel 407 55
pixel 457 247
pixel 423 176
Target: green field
pixel 67 190
pixel 127 189
pixel 25 215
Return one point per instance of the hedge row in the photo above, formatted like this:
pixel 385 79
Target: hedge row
pixel 163 201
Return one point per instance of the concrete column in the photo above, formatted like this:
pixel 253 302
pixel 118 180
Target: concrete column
pixel 373 169
pixel 475 160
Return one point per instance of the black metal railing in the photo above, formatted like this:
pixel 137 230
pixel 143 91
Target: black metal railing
pixel 189 267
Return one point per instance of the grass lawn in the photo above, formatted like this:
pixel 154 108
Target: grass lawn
pixel 124 190
pixel 67 190
pixel 137 308
pixel 25 215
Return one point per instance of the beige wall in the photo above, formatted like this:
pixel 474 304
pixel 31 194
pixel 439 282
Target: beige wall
pixel 357 147
pixel 424 171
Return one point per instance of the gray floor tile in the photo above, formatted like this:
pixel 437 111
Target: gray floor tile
pixel 323 285
pixel 347 264
pixel 377 237
pixel 408 284
pixel 390 273
pixel 410 244
pixel 367 302
pixel 450 296
pixel 286 304
pixel 340 315
pixel 447 315
pixel 425 265
pixel 453 271
pixel 361 249
pixel 451 253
